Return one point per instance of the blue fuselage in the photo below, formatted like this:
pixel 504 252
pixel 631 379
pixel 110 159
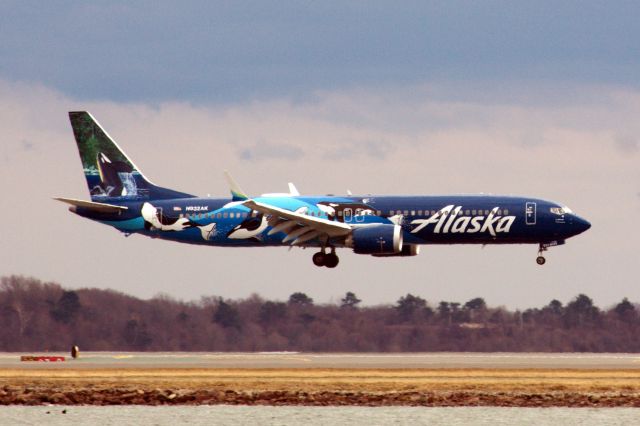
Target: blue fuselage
pixel 473 219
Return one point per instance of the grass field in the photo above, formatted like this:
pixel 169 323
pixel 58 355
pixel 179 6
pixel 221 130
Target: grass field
pixel 518 387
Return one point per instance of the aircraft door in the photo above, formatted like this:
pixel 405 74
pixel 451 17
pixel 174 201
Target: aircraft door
pixel 530 213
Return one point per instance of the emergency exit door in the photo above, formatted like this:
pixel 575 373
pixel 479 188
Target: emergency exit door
pixel 530 213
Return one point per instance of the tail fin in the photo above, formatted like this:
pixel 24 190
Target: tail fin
pixel 110 174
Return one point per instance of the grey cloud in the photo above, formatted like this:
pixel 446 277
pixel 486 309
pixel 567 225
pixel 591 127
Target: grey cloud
pixel 531 139
pixel 270 151
pixel 627 144
pixel 353 150
pixel 27 145
pixel 377 149
pixel 206 52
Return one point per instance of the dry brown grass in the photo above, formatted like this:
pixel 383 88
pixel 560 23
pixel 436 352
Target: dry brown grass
pixel 349 380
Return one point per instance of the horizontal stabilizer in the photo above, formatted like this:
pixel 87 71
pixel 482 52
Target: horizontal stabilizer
pixel 92 205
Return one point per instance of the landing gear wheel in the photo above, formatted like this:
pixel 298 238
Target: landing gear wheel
pixel 319 259
pixel 540 260
pixel 331 260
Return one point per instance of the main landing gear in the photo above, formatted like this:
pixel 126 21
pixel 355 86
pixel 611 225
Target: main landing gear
pixel 540 260
pixel 322 258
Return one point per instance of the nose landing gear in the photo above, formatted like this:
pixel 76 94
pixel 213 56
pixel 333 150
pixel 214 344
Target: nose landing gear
pixel 322 258
pixel 540 260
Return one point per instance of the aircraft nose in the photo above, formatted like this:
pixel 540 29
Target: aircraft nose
pixel 580 225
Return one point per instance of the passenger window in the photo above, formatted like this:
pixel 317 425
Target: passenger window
pixel 406 212
pixel 225 215
pixel 339 212
pixel 506 212
pixel 378 213
pixel 413 212
pixel 419 212
pixel 466 212
pixel 219 215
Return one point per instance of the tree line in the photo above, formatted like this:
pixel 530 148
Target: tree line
pixel 40 316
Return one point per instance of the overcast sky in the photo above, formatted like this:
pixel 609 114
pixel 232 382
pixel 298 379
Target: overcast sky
pixel 528 98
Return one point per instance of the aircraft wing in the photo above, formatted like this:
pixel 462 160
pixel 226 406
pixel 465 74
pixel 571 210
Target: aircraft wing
pixel 91 205
pixel 298 227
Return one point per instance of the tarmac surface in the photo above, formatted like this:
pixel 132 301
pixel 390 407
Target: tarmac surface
pixel 294 360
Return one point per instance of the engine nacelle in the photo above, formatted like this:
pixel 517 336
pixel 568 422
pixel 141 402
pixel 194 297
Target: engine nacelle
pixel 376 239
pixel 407 250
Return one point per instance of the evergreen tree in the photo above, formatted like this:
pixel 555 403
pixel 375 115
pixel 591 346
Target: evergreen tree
pixel 349 300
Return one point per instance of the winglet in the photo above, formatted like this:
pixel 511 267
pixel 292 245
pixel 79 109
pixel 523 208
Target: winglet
pixel 237 194
pixel 293 190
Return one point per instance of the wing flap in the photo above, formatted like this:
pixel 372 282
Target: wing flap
pixel 323 226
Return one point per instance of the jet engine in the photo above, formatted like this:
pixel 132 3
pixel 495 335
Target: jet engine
pixel 376 240
pixel 407 250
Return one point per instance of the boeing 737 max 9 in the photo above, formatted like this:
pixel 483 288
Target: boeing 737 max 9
pixel 376 225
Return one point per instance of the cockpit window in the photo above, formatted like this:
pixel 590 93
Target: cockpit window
pixel 560 210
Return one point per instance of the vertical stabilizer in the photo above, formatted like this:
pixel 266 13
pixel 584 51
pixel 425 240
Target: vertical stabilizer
pixel 110 174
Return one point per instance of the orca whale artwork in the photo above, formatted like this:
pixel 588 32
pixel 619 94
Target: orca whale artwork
pixel 374 225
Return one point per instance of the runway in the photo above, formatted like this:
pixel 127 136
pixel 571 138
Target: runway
pixel 294 360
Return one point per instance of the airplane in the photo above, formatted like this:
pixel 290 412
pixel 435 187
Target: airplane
pixel 375 225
